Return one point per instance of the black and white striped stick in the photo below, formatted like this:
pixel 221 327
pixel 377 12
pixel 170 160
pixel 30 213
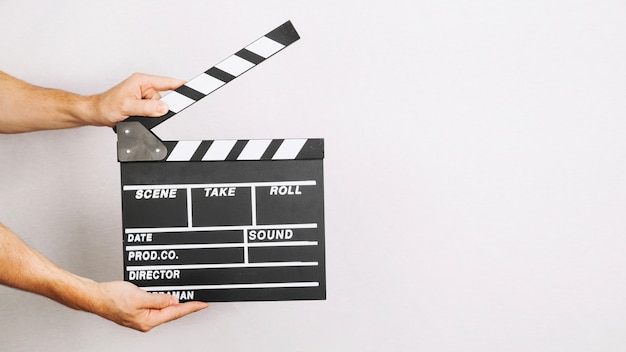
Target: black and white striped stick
pixel 224 72
pixel 243 149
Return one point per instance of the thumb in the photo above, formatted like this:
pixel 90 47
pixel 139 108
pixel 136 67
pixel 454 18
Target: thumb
pixel 160 301
pixel 146 107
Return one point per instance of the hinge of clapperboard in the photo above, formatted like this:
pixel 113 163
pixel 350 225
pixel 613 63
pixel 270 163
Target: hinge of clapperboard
pixel 136 141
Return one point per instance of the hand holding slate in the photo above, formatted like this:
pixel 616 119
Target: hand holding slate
pixel 26 108
pixel 135 308
pixel 138 95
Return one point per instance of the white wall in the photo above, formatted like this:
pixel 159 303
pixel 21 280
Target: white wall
pixel 475 167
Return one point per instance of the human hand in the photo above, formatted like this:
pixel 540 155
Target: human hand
pixel 138 95
pixel 130 306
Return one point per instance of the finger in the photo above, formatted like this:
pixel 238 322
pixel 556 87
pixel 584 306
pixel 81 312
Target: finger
pixel 158 83
pixel 174 312
pixel 145 107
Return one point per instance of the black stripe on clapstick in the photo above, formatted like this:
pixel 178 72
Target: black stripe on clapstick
pixel 202 149
pixel 170 145
pixel 190 92
pixel 312 149
pixel 284 34
pixel 150 122
pixel 237 149
pixel 219 74
pixel 271 149
pixel 250 56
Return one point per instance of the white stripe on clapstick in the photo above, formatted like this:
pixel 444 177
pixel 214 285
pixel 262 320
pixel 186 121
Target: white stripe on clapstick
pixel 289 149
pixel 177 102
pixel 254 149
pixel 204 83
pixel 265 47
pixel 183 151
pixel 219 150
pixel 235 65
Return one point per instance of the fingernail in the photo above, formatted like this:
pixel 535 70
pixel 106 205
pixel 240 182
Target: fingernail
pixel 162 107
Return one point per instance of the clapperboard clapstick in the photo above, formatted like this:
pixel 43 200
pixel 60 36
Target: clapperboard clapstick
pixel 223 220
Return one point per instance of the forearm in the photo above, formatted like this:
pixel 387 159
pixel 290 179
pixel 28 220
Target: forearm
pixel 24 268
pixel 25 107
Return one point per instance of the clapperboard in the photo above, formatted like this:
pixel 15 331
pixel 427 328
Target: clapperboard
pixel 223 220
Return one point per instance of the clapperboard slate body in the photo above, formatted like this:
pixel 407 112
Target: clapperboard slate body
pixel 223 220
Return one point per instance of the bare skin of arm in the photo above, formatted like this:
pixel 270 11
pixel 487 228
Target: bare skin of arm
pixel 25 108
pixel 118 301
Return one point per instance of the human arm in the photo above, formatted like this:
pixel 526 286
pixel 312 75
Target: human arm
pixel 24 268
pixel 25 107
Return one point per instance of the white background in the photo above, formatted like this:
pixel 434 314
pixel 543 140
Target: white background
pixel 475 167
